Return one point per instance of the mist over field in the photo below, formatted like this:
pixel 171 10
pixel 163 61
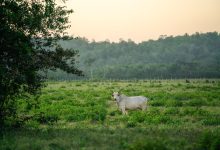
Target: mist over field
pixel 186 56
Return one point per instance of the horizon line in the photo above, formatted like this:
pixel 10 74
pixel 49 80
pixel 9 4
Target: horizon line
pixel 162 36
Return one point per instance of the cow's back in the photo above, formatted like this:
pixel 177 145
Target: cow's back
pixel 135 102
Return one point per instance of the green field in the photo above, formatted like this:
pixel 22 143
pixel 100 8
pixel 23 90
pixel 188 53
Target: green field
pixel 82 115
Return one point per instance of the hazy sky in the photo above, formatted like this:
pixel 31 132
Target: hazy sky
pixel 142 19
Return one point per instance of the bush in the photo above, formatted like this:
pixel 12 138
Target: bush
pixel 157 103
pixel 214 102
pixel 171 111
pixel 77 114
pixel 98 114
pixel 131 124
pixel 161 119
pixel 45 118
pixel 212 121
pixel 154 111
pixel 148 144
pixel 173 103
pixel 63 87
pixel 182 96
pixel 77 117
pixel 115 112
pixel 32 124
pixel 78 84
pixel 196 102
pixel 149 118
pixel 14 122
pixel 138 116
pixel 194 111
pixel 209 141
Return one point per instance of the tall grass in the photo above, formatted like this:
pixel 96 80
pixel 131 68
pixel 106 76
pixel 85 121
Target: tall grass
pixel 82 115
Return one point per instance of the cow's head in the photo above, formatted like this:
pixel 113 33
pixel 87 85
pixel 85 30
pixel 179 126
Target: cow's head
pixel 116 95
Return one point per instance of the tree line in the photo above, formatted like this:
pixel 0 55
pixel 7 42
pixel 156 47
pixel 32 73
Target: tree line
pixel 186 56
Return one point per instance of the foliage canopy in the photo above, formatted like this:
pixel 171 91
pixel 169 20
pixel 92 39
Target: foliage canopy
pixel 29 30
pixel 185 56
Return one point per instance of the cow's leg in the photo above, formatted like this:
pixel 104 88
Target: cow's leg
pixel 144 107
pixel 123 110
pixel 126 112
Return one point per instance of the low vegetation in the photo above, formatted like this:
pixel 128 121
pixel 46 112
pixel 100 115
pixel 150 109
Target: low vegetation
pixel 182 114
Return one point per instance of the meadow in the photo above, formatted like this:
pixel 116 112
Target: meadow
pixel 181 114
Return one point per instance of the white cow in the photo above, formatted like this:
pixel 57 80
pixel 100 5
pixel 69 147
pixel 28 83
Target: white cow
pixel 129 103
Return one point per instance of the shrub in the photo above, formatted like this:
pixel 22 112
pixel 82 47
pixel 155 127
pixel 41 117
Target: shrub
pixel 32 124
pixel 209 140
pixel 78 114
pixel 157 103
pixel 98 114
pixel 77 117
pixel 149 118
pixel 182 96
pixel 159 95
pixel 138 116
pixel 78 84
pixel 214 102
pixel 46 118
pixel 113 113
pixel 173 103
pixel 187 81
pixel 91 103
pixel 171 110
pixel 206 81
pixel 131 124
pixel 212 121
pixel 196 102
pixel 194 111
pixel 154 111
pixel 179 84
pixel 14 122
pixel 63 87
pixel 188 86
pixel 161 119
pixel 148 144
pixel 202 112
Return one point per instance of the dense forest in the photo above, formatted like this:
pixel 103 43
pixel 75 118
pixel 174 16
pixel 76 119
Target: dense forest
pixel 186 56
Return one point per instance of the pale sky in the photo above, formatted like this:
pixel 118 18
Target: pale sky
pixel 141 20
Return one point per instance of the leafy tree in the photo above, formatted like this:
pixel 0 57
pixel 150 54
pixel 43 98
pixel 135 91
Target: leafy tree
pixel 89 62
pixel 29 31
